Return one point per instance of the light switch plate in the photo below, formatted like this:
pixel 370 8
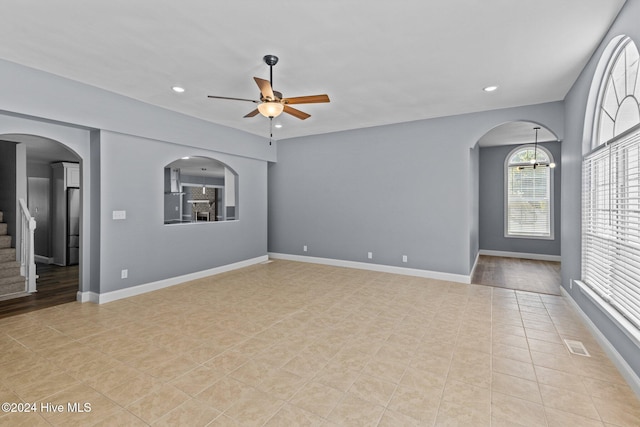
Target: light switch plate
pixel 119 215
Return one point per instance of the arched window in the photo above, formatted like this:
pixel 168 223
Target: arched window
pixel 619 109
pixel 611 190
pixel 528 195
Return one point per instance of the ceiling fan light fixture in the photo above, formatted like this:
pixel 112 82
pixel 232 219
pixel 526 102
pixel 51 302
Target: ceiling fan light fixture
pixel 271 108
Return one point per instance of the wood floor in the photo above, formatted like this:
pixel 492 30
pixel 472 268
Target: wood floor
pixel 56 285
pixel 519 274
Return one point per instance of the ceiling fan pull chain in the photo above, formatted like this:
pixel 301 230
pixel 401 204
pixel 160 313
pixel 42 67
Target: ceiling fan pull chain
pixel 271 130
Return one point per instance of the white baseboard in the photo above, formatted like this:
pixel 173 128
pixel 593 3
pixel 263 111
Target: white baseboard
pixel 460 278
pixel 475 264
pixel 522 255
pixel 161 284
pixel 623 367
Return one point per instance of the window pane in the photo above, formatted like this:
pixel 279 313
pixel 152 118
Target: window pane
pixel 528 201
pixel 632 68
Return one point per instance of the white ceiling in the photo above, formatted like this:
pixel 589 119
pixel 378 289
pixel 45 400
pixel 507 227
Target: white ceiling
pixel 380 62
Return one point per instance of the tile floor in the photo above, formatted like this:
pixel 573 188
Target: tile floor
pixel 294 344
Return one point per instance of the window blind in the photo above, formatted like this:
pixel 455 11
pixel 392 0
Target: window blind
pixel 611 225
pixel 528 201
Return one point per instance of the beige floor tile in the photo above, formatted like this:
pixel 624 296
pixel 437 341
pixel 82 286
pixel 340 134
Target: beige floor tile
pixel 254 408
pixel 156 404
pixel 557 418
pixel 373 390
pixel 514 368
pixel 620 413
pixel 508 410
pixel 317 398
pixel 291 415
pixel 421 404
pixel 354 411
pixel 464 394
pixel 455 414
pixel 560 379
pixel 28 419
pixel 397 419
pixel 568 401
pixel 516 387
pixel 197 380
pixel 120 418
pixel 134 389
pixel 385 369
pixel 337 375
pixel 223 393
pixel 418 378
pixel 281 384
pixel 513 353
pixel 471 374
pixel 547 347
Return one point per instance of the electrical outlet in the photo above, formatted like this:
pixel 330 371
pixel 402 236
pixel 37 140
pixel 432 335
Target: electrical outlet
pixel 304 248
pixel 119 215
pixel 124 274
pixel 370 255
pixel 404 258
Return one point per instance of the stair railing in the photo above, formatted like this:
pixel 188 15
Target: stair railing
pixel 27 255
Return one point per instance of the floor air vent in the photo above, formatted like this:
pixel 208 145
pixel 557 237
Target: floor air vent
pixel 576 347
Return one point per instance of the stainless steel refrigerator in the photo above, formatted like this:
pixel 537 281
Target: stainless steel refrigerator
pixel 73 226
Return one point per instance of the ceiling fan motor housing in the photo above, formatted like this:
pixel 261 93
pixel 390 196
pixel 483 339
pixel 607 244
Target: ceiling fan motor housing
pixel 270 60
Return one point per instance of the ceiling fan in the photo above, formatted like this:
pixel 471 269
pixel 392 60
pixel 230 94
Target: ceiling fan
pixel 271 103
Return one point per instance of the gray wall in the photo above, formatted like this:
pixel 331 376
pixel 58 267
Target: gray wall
pixel 124 146
pixel 492 212
pixel 404 189
pixel 577 105
pixel 8 187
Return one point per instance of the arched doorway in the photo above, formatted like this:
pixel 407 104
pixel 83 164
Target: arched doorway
pixel 48 181
pixel 519 208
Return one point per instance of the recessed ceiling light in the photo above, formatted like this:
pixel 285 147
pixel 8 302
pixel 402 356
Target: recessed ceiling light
pixel 490 88
pixel 279 125
pixel 177 89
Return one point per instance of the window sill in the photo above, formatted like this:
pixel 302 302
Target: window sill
pixel 618 319
pixel 515 236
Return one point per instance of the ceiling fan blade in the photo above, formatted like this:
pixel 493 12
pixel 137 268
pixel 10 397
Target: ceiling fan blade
pixel 252 113
pixel 296 113
pixel 233 99
pixel 265 88
pixel 312 99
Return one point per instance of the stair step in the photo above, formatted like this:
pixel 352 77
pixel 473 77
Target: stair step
pixel 7 254
pixel 10 280
pixel 13 287
pixel 9 269
pixel 5 241
pixel 3 228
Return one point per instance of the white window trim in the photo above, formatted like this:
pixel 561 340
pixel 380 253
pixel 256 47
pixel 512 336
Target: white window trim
pixel 621 45
pixel 551 235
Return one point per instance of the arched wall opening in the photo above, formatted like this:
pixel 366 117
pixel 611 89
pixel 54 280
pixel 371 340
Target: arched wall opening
pixel 495 146
pixel 38 145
